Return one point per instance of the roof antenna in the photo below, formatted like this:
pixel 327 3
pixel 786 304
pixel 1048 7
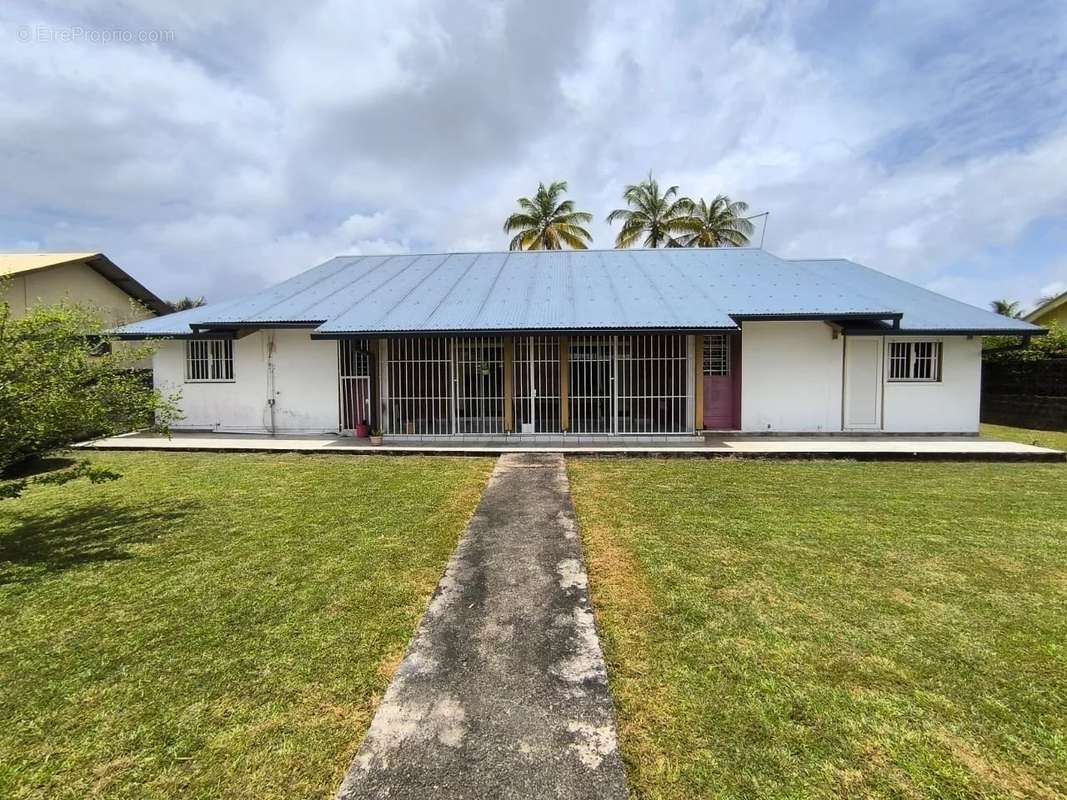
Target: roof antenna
pixel 763 232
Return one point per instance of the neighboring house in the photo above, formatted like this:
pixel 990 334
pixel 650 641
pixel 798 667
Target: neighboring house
pixel 91 279
pixel 586 342
pixel 1052 311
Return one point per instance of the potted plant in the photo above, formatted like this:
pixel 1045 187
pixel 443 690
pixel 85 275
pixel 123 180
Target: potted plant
pixel 376 437
pixel 362 430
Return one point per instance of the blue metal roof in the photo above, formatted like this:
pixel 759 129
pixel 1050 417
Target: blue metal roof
pixel 682 289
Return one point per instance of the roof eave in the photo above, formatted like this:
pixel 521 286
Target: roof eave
pixel 563 331
pixel 112 272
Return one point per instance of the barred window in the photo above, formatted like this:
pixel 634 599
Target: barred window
pixel 717 355
pixel 208 360
pixel 917 362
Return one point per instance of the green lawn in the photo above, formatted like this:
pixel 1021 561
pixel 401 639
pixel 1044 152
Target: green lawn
pixel 1053 439
pixel 213 625
pixel 832 629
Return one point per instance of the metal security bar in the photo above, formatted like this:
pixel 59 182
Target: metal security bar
pixel 652 383
pixel 208 360
pixel 354 371
pixel 537 384
pixel 717 355
pixel 479 384
pixel 421 394
pixel 915 361
pixel 591 374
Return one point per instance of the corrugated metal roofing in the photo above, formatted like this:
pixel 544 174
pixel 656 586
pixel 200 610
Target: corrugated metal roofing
pixel 577 290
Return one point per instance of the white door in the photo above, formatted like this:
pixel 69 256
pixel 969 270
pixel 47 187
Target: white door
pixel 863 383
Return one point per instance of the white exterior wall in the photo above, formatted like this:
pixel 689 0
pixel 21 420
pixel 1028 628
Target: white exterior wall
pixel 790 377
pixel 950 405
pixel 792 373
pixel 305 385
pixel 791 381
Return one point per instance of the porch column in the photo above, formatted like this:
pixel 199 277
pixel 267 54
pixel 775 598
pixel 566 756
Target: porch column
pixel 509 385
pixel 564 383
pixel 698 382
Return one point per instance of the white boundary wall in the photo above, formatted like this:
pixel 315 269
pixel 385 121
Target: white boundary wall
pixel 305 380
pixel 792 381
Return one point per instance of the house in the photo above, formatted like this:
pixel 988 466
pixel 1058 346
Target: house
pixel 1050 312
pixel 90 279
pixel 613 342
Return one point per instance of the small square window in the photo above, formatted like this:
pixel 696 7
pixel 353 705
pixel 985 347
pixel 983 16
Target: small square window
pixel 915 362
pixel 208 360
pixel 717 355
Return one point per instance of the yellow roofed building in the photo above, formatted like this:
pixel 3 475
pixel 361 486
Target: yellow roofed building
pixel 89 279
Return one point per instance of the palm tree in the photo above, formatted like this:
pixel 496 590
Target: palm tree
pixel 662 217
pixel 1007 308
pixel 719 223
pixel 546 223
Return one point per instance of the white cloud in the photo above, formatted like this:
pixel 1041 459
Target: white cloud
pixel 256 144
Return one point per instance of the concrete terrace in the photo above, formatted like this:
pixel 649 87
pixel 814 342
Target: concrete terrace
pixel 867 448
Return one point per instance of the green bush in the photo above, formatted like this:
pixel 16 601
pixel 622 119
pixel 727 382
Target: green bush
pixel 1051 345
pixel 63 378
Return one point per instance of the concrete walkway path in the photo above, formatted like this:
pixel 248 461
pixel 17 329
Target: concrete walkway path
pixel 503 692
pixel 867 448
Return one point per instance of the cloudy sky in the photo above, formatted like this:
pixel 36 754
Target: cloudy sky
pixel 212 147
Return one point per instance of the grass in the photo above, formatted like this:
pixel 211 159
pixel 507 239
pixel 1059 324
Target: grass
pixel 832 629
pixel 213 625
pixel 1054 439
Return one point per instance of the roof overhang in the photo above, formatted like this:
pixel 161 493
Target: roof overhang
pixel 105 267
pixel 522 332
pixel 871 316
pixel 850 331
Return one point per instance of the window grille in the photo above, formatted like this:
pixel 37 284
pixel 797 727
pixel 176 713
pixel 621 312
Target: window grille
pixel 915 362
pixel 591 377
pixel 479 384
pixel 717 355
pixel 354 373
pixel 420 386
pixel 208 360
pixel 651 376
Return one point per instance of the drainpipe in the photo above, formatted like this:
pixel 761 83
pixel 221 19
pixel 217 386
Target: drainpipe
pixel 270 379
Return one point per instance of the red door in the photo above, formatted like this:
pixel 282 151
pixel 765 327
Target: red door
pixel 722 382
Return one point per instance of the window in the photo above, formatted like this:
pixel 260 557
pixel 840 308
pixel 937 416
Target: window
pixel 918 362
pixel 208 360
pixel 717 355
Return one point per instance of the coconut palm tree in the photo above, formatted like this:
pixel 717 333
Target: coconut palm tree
pixel 719 223
pixel 547 223
pixel 1007 308
pixel 663 217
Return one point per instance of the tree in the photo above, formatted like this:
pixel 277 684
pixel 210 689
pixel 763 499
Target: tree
pixel 59 385
pixel 548 223
pixel 185 303
pixel 663 217
pixel 1007 308
pixel 719 223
